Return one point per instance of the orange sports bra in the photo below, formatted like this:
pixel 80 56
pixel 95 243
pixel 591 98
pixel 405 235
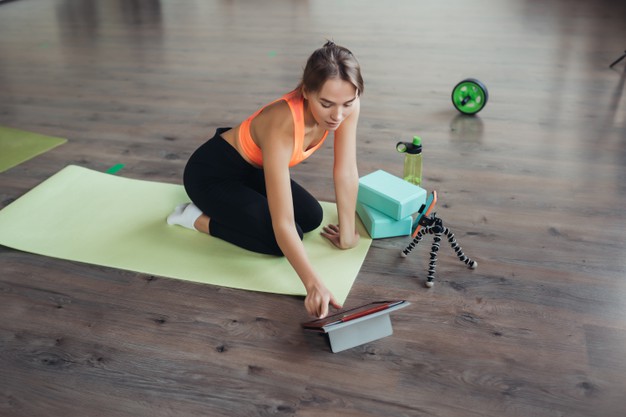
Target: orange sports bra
pixel 296 104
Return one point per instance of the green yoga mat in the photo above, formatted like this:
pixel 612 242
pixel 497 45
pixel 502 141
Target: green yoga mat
pixel 98 218
pixel 17 146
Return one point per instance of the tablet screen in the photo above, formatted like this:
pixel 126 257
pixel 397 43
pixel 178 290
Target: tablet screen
pixel 354 313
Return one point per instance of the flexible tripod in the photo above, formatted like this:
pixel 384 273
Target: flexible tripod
pixel 433 225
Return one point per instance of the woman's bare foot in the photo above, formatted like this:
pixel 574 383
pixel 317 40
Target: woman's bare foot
pixel 202 223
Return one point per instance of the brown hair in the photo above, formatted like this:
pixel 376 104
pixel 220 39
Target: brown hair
pixel 331 61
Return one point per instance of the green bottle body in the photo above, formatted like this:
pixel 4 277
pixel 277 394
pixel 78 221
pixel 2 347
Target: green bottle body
pixel 412 160
pixel 413 168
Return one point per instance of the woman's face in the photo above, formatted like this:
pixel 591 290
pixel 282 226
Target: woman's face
pixel 333 103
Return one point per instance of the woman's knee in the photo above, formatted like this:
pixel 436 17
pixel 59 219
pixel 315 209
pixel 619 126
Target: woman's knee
pixel 311 218
pixel 272 246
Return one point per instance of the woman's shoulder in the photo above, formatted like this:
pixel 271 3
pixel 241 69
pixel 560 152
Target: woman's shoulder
pixel 282 104
pixel 275 120
pixel 275 114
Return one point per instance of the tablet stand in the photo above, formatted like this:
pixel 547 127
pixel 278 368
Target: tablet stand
pixel 351 334
pixel 363 330
pixel 433 225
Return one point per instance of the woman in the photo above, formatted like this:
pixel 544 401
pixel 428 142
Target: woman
pixel 239 181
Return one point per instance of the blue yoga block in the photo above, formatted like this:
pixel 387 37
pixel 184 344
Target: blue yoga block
pixel 380 225
pixel 390 195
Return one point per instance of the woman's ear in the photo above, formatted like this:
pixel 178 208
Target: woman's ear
pixel 304 93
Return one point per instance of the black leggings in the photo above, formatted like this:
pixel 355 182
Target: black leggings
pixel 232 193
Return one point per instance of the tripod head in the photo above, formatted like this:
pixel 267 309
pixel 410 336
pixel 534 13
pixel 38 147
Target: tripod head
pixel 432 221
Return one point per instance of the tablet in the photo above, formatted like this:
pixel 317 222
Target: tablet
pixel 354 313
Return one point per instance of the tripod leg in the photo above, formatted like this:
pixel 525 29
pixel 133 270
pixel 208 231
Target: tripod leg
pixel 433 260
pixel 459 251
pixel 405 252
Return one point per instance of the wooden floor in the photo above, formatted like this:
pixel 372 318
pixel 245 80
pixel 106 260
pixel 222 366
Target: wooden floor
pixel 534 189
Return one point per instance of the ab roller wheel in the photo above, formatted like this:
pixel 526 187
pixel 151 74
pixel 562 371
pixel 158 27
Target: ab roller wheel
pixel 469 96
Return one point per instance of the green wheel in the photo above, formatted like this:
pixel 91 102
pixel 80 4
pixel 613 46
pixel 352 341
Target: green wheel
pixel 469 96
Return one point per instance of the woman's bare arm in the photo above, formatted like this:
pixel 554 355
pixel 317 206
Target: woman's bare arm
pixel 277 148
pixel 346 180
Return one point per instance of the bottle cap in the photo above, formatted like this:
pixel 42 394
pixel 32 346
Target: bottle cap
pixel 413 148
pixel 401 147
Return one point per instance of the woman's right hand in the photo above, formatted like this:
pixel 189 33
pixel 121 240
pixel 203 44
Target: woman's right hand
pixel 317 300
pixel 331 232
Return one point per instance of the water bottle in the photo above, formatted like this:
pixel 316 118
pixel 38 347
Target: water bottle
pixel 412 159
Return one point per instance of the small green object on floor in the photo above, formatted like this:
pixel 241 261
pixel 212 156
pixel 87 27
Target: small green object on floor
pixel 115 169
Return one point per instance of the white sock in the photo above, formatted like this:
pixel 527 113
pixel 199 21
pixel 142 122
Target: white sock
pixel 185 215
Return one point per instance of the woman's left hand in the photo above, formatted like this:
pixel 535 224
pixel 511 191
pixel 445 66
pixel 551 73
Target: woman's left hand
pixel 331 232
